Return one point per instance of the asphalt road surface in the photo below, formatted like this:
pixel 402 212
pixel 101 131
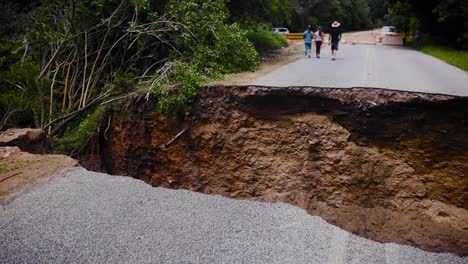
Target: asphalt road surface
pixel 376 66
pixel 87 217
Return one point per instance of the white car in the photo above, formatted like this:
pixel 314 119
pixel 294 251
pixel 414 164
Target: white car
pixel 388 31
pixel 390 36
pixel 281 31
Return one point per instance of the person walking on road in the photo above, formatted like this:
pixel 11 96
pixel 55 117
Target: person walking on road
pixel 308 35
pixel 334 38
pixel 318 36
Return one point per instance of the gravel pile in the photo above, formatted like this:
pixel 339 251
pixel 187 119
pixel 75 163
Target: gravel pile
pixel 88 217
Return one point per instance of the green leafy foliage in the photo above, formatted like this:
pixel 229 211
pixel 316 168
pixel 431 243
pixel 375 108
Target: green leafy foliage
pixel 74 140
pixel 231 52
pixel 251 13
pixel 24 97
pixel 398 16
pixel 353 15
pixel 210 48
pixel 8 56
pixel 24 73
pixel 198 21
pixel 17 106
pixel 208 40
pixel 265 40
pixel 187 79
pixel 444 21
pixel 75 52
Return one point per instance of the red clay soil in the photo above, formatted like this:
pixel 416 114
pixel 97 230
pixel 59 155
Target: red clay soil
pixel 383 164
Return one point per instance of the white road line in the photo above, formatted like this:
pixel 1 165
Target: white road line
pixel 338 247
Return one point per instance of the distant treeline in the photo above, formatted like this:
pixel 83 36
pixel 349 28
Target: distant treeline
pixel 446 21
pixel 443 21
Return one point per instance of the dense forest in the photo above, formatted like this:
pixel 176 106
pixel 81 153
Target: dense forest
pixel 62 62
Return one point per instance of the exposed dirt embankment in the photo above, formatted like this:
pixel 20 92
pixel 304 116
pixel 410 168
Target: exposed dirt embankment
pixel 383 164
pixel 20 170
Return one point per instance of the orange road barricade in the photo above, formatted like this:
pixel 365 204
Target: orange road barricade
pixel 294 37
pixel 393 40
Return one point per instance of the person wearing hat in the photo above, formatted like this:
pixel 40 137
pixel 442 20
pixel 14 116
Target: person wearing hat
pixel 308 35
pixel 334 38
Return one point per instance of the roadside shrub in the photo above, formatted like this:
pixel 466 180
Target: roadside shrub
pixel 213 46
pixel 26 94
pixel 265 40
pixel 281 39
pixel 231 53
pixel 210 48
pixel 187 79
pixel 73 141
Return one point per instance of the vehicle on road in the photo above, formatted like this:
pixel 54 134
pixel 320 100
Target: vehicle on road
pixel 388 31
pixel 281 30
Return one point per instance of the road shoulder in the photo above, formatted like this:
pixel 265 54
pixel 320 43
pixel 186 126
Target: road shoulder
pixel 268 64
pixel 21 171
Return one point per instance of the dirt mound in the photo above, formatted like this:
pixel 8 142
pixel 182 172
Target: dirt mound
pixel 21 170
pixel 383 164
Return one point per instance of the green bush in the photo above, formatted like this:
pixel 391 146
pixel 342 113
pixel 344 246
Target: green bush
pixel 73 141
pixel 265 40
pixel 187 79
pixel 231 53
pixel 25 96
pixel 211 48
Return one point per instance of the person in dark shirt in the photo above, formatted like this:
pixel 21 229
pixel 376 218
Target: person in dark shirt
pixel 334 38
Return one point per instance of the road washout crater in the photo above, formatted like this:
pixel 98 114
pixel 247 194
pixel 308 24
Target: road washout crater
pixel 386 165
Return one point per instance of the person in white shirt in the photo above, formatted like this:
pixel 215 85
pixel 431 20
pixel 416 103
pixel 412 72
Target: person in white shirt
pixel 318 36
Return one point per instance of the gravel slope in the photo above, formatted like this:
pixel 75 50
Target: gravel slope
pixel 87 217
pixel 388 67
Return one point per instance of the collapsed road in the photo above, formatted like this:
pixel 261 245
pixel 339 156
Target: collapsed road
pixel 384 165
pixel 387 165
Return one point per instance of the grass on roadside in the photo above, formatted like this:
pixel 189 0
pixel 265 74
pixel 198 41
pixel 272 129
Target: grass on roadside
pixel 266 41
pixel 458 58
pixel 28 169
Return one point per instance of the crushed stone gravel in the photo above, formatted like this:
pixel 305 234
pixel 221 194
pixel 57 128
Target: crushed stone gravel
pixel 88 217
